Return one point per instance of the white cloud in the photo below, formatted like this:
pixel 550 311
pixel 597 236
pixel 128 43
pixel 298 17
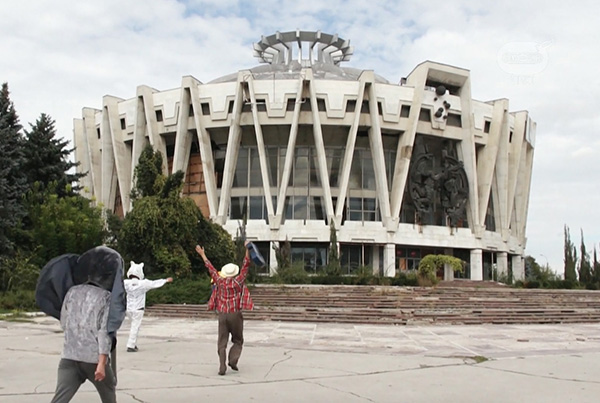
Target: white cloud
pixel 59 56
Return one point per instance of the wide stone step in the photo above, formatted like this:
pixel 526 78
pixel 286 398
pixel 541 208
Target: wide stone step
pixel 408 305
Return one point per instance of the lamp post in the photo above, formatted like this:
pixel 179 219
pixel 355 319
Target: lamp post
pixel 544 256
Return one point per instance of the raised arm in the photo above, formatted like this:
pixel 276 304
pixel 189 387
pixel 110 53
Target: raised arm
pixel 152 284
pixel 211 270
pixel 246 265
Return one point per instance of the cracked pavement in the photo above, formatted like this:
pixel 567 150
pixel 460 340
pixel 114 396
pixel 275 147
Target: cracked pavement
pixel 299 362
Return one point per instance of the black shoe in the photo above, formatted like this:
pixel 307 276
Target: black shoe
pixel 132 350
pixel 233 366
pixel 222 371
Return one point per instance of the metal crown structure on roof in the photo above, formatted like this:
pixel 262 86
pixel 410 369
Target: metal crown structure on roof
pixel 309 47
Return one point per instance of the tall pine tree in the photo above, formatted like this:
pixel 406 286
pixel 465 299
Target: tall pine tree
pixel 570 254
pixel 585 267
pixel 47 158
pixel 595 269
pixel 13 182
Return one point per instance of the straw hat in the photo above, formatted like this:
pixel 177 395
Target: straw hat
pixel 230 270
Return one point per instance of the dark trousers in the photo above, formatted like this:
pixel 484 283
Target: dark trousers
pixel 230 323
pixel 71 374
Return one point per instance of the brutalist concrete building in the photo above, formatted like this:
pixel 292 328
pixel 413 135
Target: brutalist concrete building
pixel 299 143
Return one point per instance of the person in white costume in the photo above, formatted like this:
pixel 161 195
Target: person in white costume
pixel 137 287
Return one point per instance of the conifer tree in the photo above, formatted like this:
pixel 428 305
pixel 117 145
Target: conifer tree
pixel 149 179
pixel 13 182
pixel 570 254
pixel 585 267
pixel 47 158
pixel 596 269
pixel 333 258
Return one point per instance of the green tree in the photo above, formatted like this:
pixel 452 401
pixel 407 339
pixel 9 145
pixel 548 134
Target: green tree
pixel 47 158
pixel 69 224
pixel 430 264
pixel 532 267
pixel 596 269
pixel 283 254
pixel 18 272
pixel 149 179
pixel 159 231
pixel 333 258
pixel 13 182
pixel 585 267
pixel 536 273
pixel 163 228
pixel 570 254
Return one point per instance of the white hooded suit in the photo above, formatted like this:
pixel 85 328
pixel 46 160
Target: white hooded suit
pixel 136 289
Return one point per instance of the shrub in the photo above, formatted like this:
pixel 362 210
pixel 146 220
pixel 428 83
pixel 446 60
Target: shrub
pixel 18 273
pixel 405 279
pixel 20 300
pixel 531 284
pixel 295 274
pixel 429 265
pixel 195 291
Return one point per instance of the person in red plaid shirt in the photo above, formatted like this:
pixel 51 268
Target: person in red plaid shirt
pixel 229 298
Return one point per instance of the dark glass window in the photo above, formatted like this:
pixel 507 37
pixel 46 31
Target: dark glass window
pixel 486 126
pixel 363 209
pixel 255 173
pixel 256 207
pixel 353 256
pixel 313 255
pixel 205 109
pixel 404 111
pixel 317 209
pixel 315 180
pixel 334 158
pixel 238 208
pixel 301 168
pixel 425 115
pixel 240 177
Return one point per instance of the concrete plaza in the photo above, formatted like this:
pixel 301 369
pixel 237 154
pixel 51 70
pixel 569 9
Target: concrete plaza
pixel 309 362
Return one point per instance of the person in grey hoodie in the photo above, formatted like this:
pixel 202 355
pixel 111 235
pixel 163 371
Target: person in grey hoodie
pixel 84 317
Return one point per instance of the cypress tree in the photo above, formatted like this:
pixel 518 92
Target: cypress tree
pixel 585 267
pixel 570 254
pixel 596 269
pixel 333 258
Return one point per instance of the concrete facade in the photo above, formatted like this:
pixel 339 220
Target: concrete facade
pixel 299 143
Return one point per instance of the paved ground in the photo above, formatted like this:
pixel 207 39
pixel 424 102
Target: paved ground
pixel 307 362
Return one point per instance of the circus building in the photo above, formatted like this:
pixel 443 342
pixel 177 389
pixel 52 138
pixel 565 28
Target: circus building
pixel 300 142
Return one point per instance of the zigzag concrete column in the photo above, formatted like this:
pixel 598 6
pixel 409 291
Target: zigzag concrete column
pixel 476 264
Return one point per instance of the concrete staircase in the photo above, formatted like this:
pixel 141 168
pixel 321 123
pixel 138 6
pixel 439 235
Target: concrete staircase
pixel 449 303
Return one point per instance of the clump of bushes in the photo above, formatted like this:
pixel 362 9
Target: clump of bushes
pixel 196 291
pixel 19 300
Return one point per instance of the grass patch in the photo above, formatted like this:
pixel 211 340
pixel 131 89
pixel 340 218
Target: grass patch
pixel 16 317
pixel 19 300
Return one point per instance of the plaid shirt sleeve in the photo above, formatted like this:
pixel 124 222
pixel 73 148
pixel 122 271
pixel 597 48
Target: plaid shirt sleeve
pixel 231 294
pixel 245 299
pixel 244 272
pixel 212 271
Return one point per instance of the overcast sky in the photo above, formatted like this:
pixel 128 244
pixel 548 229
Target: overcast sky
pixel 59 56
